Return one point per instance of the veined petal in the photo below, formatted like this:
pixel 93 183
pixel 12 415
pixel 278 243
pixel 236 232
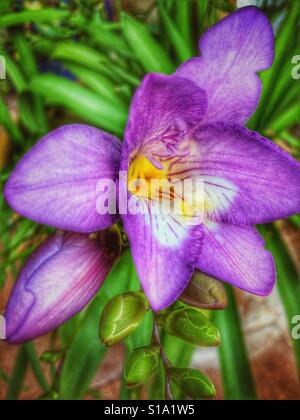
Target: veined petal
pixel 233 51
pixel 60 278
pixel 164 252
pixel 236 255
pixel 163 107
pixel 248 179
pixel 56 181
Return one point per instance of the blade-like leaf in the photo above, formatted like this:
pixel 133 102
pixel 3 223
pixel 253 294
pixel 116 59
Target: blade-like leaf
pixel 108 40
pixel 6 120
pixel 287 118
pixel 182 48
pixel 183 11
pixel 35 365
pixel 32 16
pixel 146 49
pixel 79 53
pixel 83 356
pixel 98 83
pixel 14 73
pixel 18 375
pixel 71 52
pixel 284 40
pixel 82 102
pixel 237 377
pixel 26 58
pixel 288 283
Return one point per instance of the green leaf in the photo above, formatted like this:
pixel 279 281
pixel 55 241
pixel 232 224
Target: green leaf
pixel 71 52
pixel 6 120
pixel 118 281
pixel 79 53
pixel 285 91
pixel 32 111
pixel 122 278
pixel 286 119
pixel 179 352
pixel 180 45
pixel 146 49
pixel 80 101
pixel 96 82
pixel 202 6
pixel 83 356
pixel 284 40
pixel 290 139
pixel 35 365
pixel 44 15
pixel 67 332
pixel 18 375
pixel 288 283
pixel 108 40
pixel 5 7
pixel 237 377
pixel 26 58
pixel 14 74
pixel 44 47
pixel 142 335
pixel 27 114
pixel 183 12
pixel 286 102
pixel 4 376
pixel 296 220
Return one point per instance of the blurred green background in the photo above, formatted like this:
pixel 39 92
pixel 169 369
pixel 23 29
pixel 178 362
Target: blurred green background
pixel 81 61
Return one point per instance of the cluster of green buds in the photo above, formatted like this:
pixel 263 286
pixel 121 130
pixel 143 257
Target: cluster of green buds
pixel 188 319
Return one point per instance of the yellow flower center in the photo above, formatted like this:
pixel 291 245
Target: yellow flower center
pixel 147 181
pixel 141 174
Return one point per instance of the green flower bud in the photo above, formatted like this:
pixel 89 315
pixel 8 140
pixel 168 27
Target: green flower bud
pixel 191 325
pixel 193 384
pixel 121 316
pixel 51 357
pixel 204 292
pixel 141 366
pixel 49 395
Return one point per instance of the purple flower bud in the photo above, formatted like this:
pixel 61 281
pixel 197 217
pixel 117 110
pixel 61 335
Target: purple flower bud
pixel 60 278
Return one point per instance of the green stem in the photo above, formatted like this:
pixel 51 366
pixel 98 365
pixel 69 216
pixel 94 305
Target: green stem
pixel 165 361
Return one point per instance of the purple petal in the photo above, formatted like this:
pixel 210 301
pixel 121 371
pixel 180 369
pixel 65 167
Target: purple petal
pixel 55 183
pixel 164 253
pixel 236 255
pixel 163 106
pixel 233 51
pixel 61 277
pixel 248 179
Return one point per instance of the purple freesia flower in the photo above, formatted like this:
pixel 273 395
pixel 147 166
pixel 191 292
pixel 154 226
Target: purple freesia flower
pixel 182 126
